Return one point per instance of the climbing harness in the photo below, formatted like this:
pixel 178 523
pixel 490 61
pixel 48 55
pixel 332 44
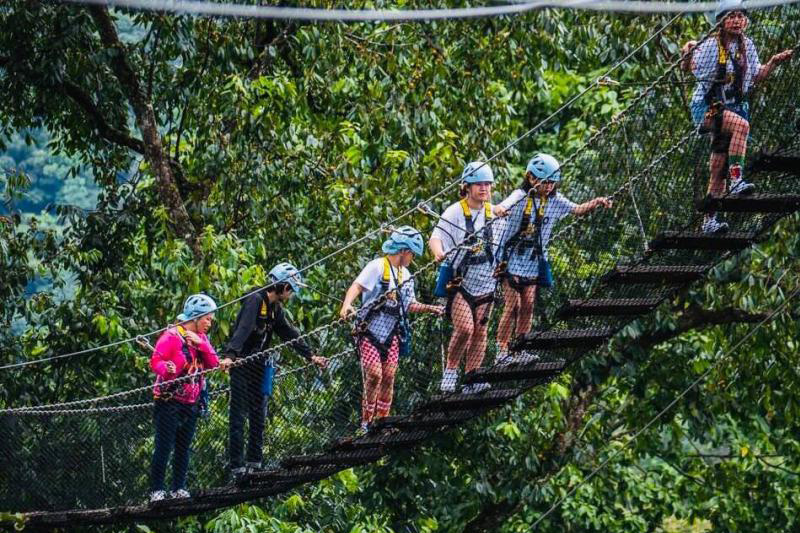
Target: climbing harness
pixel 478 252
pixel 528 237
pixel 718 98
pixel 381 305
pixel 166 390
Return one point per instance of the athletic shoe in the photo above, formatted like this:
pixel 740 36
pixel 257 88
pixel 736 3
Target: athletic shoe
pixel 711 226
pixel 181 493
pixel 238 474
pixel 475 388
pixel 157 496
pixel 741 187
pixel 503 358
pixel 525 357
pixel 449 378
pixel 253 467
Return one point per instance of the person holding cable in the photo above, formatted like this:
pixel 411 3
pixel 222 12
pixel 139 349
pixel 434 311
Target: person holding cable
pixel 260 315
pixel 533 210
pixel 464 237
pixel 727 67
pixel 386 288
pixel 183 350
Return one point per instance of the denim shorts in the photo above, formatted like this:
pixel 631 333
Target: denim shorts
pixel 700 108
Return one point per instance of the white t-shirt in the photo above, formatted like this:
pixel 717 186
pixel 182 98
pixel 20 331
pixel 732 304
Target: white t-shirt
pixel 382 324
pixel 452 230
pixel 556 208
pixel 704 67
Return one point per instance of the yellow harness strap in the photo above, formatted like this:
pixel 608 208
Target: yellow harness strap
pixel 387 272
pixel 487 209
pixel 722 58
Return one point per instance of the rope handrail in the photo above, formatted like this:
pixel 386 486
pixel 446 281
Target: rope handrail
pixel 205 8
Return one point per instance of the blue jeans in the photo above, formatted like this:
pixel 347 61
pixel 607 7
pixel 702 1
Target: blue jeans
pixel 247 398
pixel 175 423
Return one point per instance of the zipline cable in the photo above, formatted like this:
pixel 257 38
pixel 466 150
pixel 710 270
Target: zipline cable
pixel 410 15
pixel 369 235
pixel 669 406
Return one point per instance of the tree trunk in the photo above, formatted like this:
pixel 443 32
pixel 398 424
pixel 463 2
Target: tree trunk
pixel 154 152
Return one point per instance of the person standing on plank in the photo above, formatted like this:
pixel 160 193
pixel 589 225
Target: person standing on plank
pixel 261 314
pixel 387 292
pixel 183 350
pixel 464 237
pixel 726 66
pixel 533 210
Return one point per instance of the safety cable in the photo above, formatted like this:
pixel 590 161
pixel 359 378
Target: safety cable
pixel 669 406
pixel 241 361
pixel 409 15
pixel 408 212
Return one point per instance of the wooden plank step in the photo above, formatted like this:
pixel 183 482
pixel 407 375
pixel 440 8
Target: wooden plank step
pixel 776 163
pixel 608 307
pixel 648 274
pixel 557 339
pixel 390 439
pixel 292 475
pixel 459 400
pixel 425 420
pixel 751 203
pixel 343 458
pixel 515 371
pixel 673 240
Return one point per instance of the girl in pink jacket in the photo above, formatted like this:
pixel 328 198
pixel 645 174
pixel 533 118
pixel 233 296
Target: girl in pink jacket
pixel 181 351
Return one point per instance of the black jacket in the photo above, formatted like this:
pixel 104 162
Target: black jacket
pixel 256 321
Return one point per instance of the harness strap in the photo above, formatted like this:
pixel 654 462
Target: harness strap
pixel 472 257
pixel 524 227
pixel 722 78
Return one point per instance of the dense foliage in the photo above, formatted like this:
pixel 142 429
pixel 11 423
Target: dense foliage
pixel 253 142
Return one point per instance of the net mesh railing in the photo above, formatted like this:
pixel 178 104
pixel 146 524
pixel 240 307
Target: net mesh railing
pixel 608 266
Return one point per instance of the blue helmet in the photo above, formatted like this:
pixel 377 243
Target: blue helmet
pixel 196 306
pixel 287 273
pixel 404 238
pixel 726 6
pixel 544 167
pixel 477 172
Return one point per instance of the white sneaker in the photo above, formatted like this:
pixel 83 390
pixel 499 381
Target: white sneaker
pixel 712 226
pixel 475 388
pixel 157 496
pixel 181 493
pixel 741 187
pixel 449 378
pixel 503 358
pixel 526 357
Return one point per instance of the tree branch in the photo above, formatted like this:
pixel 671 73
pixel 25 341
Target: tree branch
pixel 146 121
pixel 105 130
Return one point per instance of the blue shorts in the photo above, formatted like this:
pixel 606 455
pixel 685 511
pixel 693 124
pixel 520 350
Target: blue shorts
pixel 700 108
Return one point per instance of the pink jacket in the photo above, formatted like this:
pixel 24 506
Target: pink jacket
pixel 170 347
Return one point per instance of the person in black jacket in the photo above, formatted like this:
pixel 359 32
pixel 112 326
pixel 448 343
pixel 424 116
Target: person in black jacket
pixel 261 314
